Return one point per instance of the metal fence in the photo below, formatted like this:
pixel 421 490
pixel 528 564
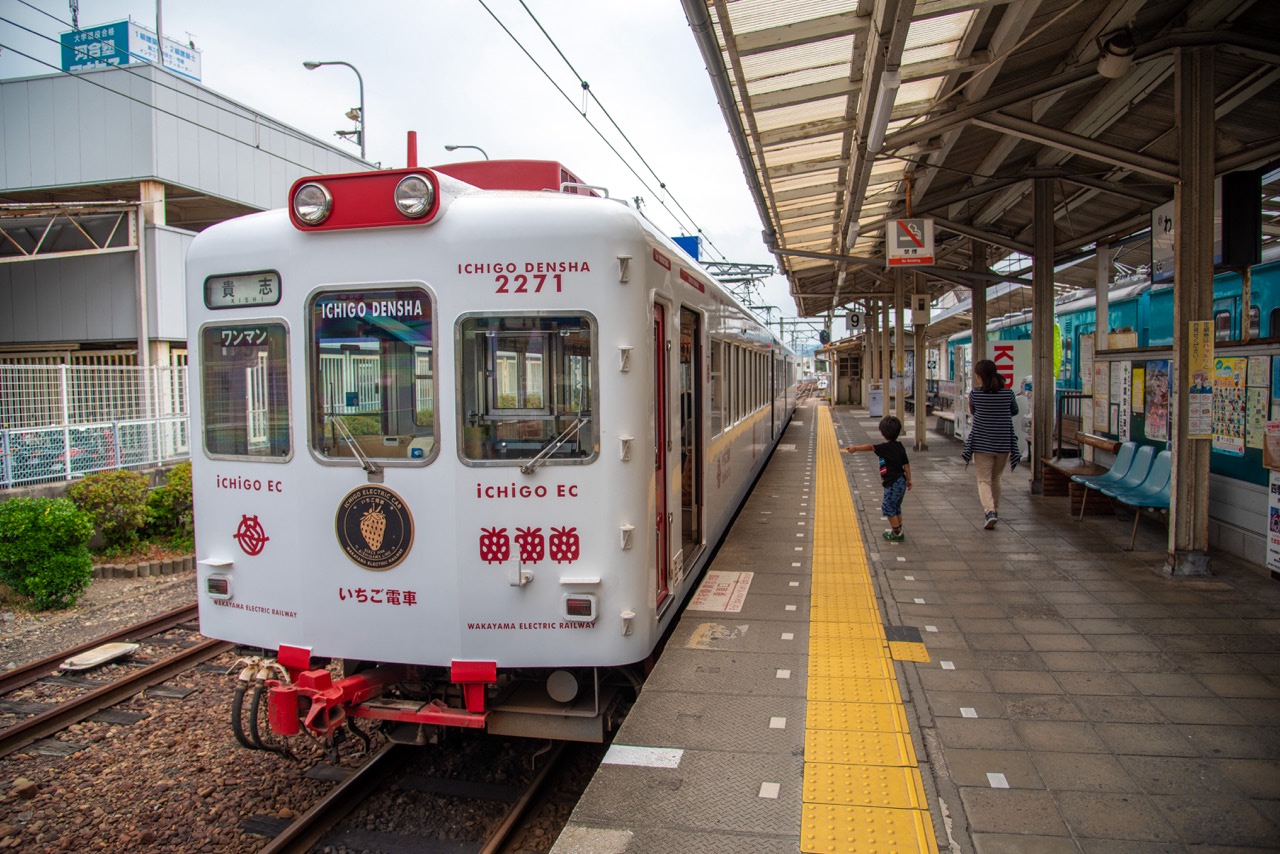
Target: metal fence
pixel 65 421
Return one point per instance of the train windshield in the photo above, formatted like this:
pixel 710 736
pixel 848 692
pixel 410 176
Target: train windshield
pixel 527 387
pixel 372 375
pixel 245 390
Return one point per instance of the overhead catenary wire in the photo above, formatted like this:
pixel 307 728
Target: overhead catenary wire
pixel 589 92
pixel 694 227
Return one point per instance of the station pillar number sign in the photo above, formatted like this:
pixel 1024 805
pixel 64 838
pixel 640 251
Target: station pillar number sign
pixel 908 242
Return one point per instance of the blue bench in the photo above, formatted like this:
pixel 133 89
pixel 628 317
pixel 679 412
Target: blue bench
pixel 1152 493
pixel 1122 475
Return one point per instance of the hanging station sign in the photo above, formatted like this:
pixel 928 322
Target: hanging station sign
pixel 908 242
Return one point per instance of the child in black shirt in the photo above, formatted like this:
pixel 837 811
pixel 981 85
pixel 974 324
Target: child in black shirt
pixel 895 473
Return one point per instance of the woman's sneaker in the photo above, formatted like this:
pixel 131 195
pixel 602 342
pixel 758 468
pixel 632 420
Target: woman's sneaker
pixel 894 538
pixel 991 520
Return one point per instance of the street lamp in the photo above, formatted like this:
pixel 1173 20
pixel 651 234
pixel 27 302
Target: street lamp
pixel 476 147
pixel 359 111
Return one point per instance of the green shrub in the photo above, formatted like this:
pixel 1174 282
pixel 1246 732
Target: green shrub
pixel 116 501
pixel 169 510
pixel 42 550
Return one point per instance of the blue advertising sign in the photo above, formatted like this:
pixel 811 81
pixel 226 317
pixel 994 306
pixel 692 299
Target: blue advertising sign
pixel 125 43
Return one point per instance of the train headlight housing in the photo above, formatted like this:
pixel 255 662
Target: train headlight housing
pixel 414 196
pixel 312 203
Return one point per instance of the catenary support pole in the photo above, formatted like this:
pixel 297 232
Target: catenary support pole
pixel 1042 383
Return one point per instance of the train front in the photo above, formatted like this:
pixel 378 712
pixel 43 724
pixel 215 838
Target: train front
pixel 401 500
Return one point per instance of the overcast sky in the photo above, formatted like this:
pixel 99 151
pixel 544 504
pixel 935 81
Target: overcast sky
pixel 446 69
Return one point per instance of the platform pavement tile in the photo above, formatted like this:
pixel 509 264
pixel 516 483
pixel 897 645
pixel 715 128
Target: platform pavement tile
pixel 701 671
pixel 999 642
pixel 947 704
pixel 1011 811
pixel 1258 712
pixel 1211 662
pixel 1103 684
pixel 1024 682
pixel 1059 643
pixel 1064 736
pixel 1153 663
pixel 1235 742
pixel 710 791
pixel 1241 685
pixel 976 733
pixel 586 839
pixel 1146 740
pixel 742 636
pixel 1040 707
pixel 1187 776
pixel 1256 778
pixel 1076 661
pixel 933 679
pixel 1019 843
pixel 708 722
pixel 1199 710
pixel 970 767
pixel 1087 772
pixel 1122 643
pixel 1113 709
pixel 1115 815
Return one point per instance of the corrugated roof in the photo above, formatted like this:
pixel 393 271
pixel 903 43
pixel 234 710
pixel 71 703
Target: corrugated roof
pixel 992 93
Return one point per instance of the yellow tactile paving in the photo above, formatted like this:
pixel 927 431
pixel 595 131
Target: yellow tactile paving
pixel 831 828
pixel 876 786
pixel 862 786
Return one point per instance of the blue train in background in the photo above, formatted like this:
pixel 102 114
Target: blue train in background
pixel 1143 312
pixel 1146 311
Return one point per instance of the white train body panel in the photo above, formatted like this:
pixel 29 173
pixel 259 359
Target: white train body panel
pixel 452 597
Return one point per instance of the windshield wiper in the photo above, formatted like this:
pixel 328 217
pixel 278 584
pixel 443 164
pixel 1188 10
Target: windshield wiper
pixel 374 470
pixel 568 433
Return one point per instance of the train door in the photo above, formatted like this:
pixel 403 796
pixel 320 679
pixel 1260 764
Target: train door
pixel 691 369
pixel 660 439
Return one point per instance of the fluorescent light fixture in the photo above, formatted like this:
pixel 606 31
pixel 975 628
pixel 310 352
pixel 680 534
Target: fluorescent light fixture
pixel 880 115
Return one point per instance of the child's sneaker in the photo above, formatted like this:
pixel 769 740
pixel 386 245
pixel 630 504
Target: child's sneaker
pixel 990 520
pixel 894 538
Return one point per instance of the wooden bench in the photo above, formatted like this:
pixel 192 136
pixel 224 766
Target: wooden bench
pixel 1058 472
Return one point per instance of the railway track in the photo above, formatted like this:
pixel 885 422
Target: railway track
pixel 51 720
pixel 321 824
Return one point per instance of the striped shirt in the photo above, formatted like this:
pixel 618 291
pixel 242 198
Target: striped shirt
pixel 991 431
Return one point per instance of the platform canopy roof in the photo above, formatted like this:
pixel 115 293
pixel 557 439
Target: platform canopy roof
pixel 989 95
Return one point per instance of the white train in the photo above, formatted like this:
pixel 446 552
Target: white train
pixel 477 444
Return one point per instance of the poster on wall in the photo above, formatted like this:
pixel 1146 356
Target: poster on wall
pixel 1255 423
pixel 1259 371
pixel 1228 406
pixel 1275 387
pixel 1121 390
pixel 1273 523
pixel 1139 390
pixel 1086 364
pixel 1200 380
pixel 1157 400
pixel 1101 398
pixel 1271 445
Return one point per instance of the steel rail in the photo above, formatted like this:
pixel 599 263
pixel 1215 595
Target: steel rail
pixel 498 839
pixel 49 722
pixel 308 829
pixel 36 670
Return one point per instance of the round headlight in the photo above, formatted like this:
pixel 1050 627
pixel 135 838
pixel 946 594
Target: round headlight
pixel 312 203
pixel 414 195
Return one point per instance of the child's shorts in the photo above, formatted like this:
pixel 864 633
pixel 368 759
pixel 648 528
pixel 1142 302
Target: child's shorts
pixel 893 494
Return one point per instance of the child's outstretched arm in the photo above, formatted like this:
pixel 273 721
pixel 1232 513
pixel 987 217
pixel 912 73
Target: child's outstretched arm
pixel 907 471
pixel 853 449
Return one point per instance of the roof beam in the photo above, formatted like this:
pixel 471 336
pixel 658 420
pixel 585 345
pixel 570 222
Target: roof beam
pixel 984 236
pixel 1077 144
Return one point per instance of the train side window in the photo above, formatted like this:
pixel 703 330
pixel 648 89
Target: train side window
pixel 716 402
pixel 1255 322
pixel 1222 326
pixel 1274 323
pixel 372 375
pixel 527 388
pixel 245 390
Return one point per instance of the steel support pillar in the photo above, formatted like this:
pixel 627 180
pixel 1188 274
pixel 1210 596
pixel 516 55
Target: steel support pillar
pixel 1192 303
pixel 885 361
pixel 978 300
pixel 1042 383
pixel 899 346
pixel 921 392
pixel 871 350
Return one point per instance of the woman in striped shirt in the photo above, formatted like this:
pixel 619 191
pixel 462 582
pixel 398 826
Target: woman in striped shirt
pixel 991 437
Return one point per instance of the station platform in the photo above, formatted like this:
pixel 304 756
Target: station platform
pixel 1031 688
